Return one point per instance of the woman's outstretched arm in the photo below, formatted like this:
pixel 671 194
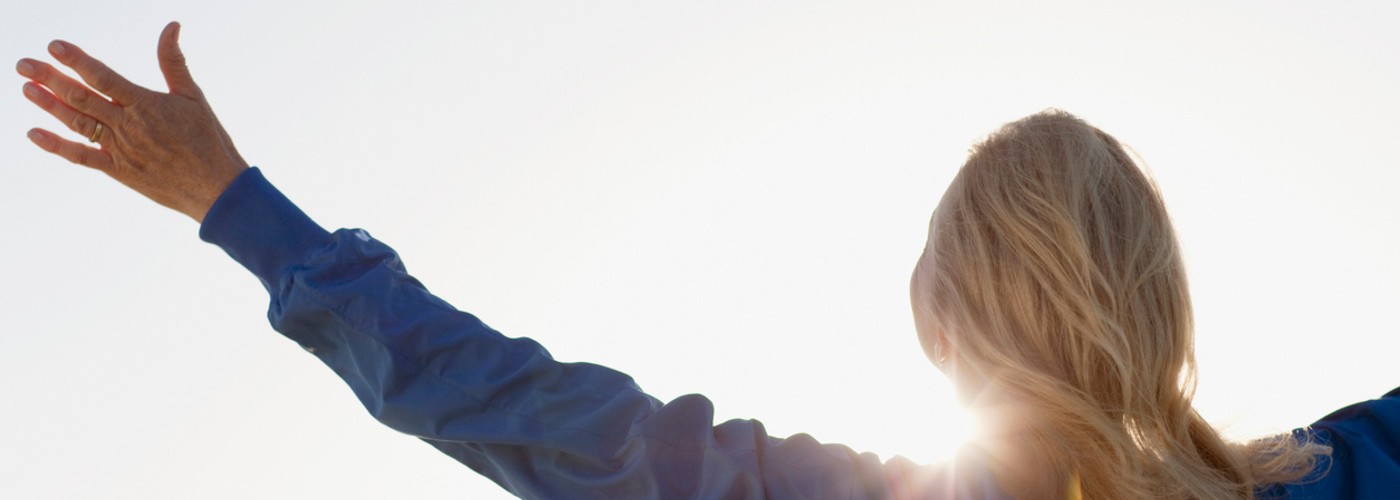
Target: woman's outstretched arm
pixel 500 405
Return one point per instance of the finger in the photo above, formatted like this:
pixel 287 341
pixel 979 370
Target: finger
pixel 75 95
pixel 96 74
pixel 84 125
pixel 71 151
pixel 172 62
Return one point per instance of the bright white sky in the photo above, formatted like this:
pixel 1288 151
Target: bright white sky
pixel 714 197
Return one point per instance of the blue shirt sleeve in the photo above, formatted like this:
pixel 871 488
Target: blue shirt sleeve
pixel 505 408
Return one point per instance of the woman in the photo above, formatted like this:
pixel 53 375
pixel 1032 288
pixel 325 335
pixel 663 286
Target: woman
pixel 1051 292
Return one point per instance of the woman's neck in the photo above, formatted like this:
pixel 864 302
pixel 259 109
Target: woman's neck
pixel 1020 454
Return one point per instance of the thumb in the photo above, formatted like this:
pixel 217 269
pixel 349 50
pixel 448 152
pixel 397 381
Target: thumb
pixel 172 62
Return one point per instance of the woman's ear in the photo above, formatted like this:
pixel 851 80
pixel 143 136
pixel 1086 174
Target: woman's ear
pixel 940 352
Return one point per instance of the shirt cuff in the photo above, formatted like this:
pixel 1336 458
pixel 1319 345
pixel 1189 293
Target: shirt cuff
pixel 260 228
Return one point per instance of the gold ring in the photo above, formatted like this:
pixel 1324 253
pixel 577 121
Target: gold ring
pixel 96 134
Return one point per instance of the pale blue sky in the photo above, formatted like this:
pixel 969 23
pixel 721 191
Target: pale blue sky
pixel 719 197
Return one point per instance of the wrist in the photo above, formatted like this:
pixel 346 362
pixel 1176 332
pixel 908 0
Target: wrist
pixel 215 188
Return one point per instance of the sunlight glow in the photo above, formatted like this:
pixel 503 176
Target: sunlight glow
pixel 714 198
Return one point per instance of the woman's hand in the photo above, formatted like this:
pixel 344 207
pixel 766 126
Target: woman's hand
pixel 168 147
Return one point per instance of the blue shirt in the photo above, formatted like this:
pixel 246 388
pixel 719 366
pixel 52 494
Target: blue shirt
pixel 545 429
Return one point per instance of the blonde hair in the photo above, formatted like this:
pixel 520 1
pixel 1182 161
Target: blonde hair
pixel 1057 275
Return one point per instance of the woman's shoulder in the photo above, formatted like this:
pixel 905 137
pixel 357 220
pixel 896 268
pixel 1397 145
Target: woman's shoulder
pixel 1365 459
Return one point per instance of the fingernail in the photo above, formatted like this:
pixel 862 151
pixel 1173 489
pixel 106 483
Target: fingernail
pixel 31 90
pixel 35 136
pixel 24 68
pixel 57 48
